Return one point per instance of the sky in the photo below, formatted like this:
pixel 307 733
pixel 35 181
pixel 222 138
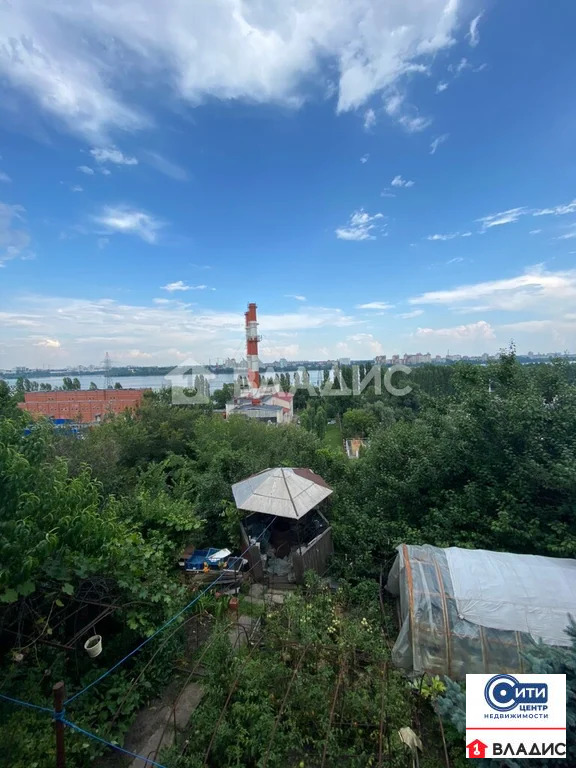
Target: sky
pixel 379 177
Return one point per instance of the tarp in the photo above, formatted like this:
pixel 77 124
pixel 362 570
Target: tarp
pixel 523 593
pixel 469 611
pixel 283 491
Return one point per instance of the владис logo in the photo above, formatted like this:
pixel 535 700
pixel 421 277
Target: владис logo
pixel 504 692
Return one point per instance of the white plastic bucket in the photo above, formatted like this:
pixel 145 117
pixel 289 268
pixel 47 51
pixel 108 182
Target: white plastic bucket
pixel 93 646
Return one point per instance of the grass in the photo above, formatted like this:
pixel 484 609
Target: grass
pixel 333 437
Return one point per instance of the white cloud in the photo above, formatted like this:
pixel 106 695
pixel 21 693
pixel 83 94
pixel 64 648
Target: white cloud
pixel 567 236
pixel 14 240
pixel 129 221
pixel 112 155
pixel 180 285
pixel 442 86
pixel 361 226
pixel 87 328
pixel 375 305
pixel 405 114
pixel 545 291
pixel 86 169
pixel 4 177
pixel 387 193
pixel 410 315
pixel 398 181
pixel 369 119
pixel 295 296
pixel 437 142
pixel 167 167
pixel 513 214
pixel 364 158
pixel 442 237
pixel 559 210
pixel 48 343
pixel 79 61
pixel 455 260
pixel 76 188
pixel 504 217
pixel 473 34
pixel 470 332
pixel 361 345
pixel 535 231
pixel 105 172
pixel 457 69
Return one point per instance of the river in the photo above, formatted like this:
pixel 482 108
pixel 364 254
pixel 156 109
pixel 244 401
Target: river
pixel 216 380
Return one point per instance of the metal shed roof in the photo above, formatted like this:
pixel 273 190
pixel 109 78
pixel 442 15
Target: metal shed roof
pixel 283 491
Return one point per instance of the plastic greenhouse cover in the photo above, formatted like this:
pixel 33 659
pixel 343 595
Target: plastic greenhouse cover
pixel 524 593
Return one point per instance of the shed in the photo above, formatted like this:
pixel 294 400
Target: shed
pixel 285 532
pixel 475 611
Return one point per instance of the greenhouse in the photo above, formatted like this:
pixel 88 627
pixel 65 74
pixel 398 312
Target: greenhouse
pixel 473 611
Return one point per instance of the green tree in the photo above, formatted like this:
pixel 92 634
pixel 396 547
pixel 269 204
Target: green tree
pixel 222 396
pixel 320 422
pixel 358 422
pixel 117 385
pixel 93 386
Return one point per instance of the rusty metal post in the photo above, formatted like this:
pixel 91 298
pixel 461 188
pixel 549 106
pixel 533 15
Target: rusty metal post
pixel 59 693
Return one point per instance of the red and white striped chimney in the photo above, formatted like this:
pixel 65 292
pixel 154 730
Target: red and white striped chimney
pixel 252 340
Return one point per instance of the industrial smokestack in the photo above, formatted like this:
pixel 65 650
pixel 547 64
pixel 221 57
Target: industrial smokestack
pixel 252 340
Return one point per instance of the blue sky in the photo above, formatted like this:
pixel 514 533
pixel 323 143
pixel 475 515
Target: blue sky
pixel 379 177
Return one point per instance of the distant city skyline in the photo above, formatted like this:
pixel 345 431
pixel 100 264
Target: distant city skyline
pixel 406 358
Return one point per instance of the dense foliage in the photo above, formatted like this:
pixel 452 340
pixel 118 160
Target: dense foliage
pixel 472 456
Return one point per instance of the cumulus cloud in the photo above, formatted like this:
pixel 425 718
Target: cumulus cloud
pixel 398 181
pixel 112 155
pixel 472 331
pixel 86 169
pixel 169 330
pixel 442 86
pixel 79 61
pixel 362 226
pixel 4 177
pixel 364 158
pixel 129 221
pixel 295 296
pixel 407 115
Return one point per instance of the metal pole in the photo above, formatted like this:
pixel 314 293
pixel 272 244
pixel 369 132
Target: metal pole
pixel 59 693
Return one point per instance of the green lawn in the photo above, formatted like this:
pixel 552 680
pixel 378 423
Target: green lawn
pixel 333 437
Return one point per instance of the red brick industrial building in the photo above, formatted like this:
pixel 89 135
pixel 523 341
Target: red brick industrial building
pixel 81 406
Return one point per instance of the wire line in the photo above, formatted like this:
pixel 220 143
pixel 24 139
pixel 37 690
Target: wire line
pixel 161 629
pixel 21 703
